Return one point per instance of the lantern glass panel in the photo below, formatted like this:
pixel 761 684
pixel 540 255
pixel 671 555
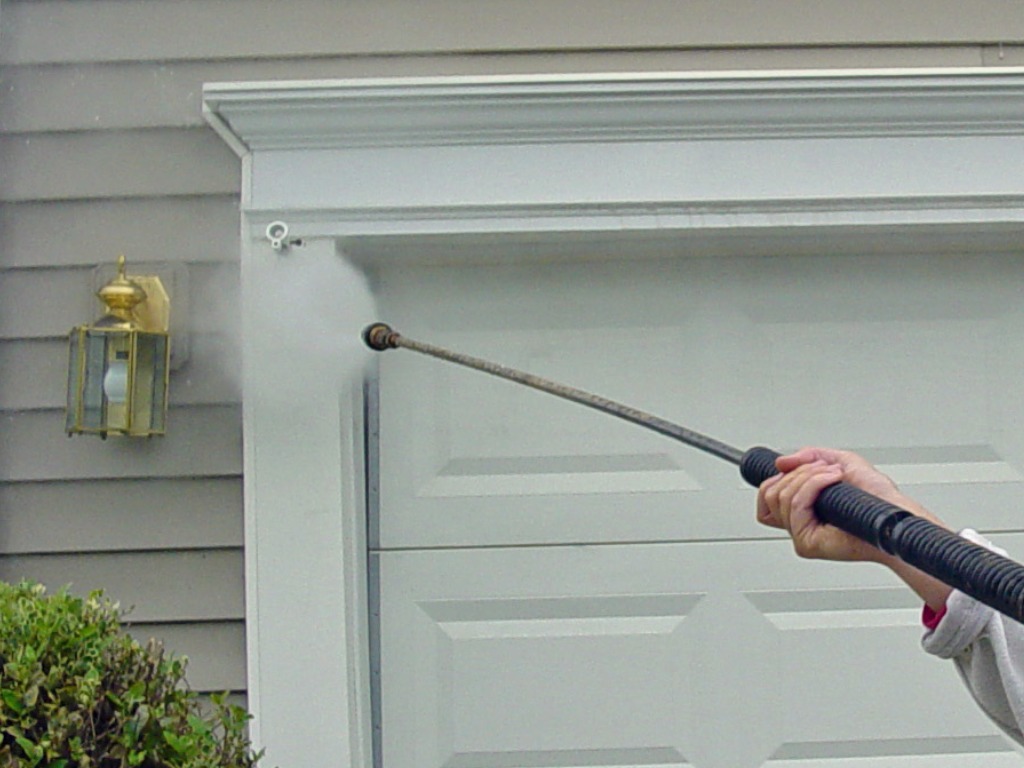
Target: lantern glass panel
pixel 93 400
pixel 115 380
pixel 117 366
pixel 149 392
pixel 74 380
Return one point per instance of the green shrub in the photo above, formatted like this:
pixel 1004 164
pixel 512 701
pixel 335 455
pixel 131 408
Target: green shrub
pixel 77 692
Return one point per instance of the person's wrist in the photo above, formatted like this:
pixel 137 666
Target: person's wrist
pixel 880 556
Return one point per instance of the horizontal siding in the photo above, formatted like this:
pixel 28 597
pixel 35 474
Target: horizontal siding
pixel 121 515
pixel 161 587
pixel 233 699
pixel 157 524
pixel 154 30
pixel 148 163
pixel 39 304
pixel 88 232
pixel 77 97
pixel 33 373
pixel 169 93
pixel 193 602
pixel 215 651
pixel 47 303
pixel 200 442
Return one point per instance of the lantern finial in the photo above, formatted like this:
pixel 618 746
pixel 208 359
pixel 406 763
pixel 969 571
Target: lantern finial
pixel 121 294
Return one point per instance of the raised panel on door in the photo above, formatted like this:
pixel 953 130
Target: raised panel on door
pixel 910 359
pixel 727 655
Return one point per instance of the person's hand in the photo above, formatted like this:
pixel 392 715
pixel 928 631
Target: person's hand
pixel 786 501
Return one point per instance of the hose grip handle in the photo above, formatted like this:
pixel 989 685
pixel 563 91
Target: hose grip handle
pixel 843 505
pixel 986 576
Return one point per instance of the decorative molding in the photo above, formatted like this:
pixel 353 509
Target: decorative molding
pixel 559 216
pixel 617 108
pixel 634 155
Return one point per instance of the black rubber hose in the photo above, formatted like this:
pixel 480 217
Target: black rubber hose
pixel 974 570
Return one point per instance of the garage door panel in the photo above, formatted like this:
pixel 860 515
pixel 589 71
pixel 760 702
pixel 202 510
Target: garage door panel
pixel 733 655
pixel 1000 506
pixel 989 751
pixel 910 360
pixel 900 374
pixel 482 461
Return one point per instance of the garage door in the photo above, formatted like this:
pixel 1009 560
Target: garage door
pixel 556 588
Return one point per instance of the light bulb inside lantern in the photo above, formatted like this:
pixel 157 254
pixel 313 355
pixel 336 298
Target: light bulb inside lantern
pixel 115 382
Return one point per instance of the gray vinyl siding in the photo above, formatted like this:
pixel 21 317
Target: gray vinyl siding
pixel 116 30
pixel 103 150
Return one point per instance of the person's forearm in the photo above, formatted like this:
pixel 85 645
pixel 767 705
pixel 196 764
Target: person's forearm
pixel 928 588
pixel 932 591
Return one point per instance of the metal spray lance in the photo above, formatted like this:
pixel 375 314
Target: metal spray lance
pixel 986 576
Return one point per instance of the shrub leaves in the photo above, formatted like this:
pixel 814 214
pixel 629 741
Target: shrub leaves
pixel 77 692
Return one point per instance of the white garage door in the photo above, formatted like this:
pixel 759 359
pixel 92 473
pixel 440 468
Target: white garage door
pixel 558 588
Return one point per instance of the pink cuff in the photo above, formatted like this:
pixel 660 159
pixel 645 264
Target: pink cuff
pixel 931 618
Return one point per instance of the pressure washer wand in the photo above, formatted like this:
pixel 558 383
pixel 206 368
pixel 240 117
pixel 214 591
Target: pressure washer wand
pixel 381 337
pixel 986 576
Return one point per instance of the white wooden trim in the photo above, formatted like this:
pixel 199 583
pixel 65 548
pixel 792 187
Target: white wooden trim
pixel 367 164
pixel 619 108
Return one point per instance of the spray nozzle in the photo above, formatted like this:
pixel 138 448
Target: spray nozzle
pixel 380 336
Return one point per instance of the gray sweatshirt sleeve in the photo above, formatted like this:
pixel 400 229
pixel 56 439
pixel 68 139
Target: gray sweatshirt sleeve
pixel 988 650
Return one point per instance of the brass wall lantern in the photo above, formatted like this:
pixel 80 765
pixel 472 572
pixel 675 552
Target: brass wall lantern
pixel 119 366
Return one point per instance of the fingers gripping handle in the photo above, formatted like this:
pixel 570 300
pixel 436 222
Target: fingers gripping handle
pixel 984 575
pixel 865 516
